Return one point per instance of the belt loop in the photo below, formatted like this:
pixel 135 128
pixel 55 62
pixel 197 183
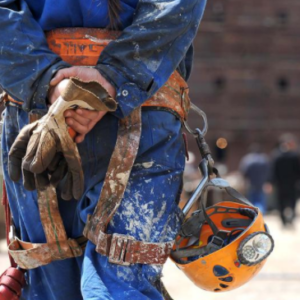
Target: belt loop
pixel 119 247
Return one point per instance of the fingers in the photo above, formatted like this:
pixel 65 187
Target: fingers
pixel 79 117
pixel 73 161
pixel 81 114
pixel 42 180
pixel 59 172
pixel 55 91
pixel 77 184
pixel 28 180
pixel 67 188
pixel 18 151
pixel 85 74
pixel 79 128
pixel 80 138
pixel 82 121
pixel 72 186
pixel 14 168
pixel 40 152
pixel 64 73
pixel 58 158
pixel 91 114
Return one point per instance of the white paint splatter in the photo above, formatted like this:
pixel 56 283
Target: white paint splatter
pixel 112 185
pixel 148 165
pixel 122 177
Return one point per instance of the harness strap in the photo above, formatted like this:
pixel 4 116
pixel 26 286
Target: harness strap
pixel 189 252
pixel 118 172
pixel 172 96
pixel 8 222
pixel 125 250
pixel 122 249
pixel 11 280
pixel 238 197
pixel 8 100
pixel 31 255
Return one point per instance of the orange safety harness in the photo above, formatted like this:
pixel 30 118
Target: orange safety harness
pixel 81 46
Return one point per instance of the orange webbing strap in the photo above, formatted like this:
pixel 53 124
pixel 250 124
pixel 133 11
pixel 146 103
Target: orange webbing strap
pixel 173 96
pixel 80 46
pixel 31 255
pixel 7 98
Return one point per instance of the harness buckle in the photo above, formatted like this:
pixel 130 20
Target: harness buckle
pixel 119 247
pixel 215 244
pixel 12 233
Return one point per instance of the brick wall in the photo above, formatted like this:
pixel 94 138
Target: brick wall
pixel 246 74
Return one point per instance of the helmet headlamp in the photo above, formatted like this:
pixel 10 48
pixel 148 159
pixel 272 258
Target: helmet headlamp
pixel 255 248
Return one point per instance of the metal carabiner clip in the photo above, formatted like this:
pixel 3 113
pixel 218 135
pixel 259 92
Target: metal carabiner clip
pixel 202 114
pixel 199 136
pixel 206 165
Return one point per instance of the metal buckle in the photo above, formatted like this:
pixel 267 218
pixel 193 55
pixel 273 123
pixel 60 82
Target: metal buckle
pixel 119 248
pixel 215 244
pixel 12 233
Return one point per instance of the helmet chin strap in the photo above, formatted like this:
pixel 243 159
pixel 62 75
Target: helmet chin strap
pixel 192 229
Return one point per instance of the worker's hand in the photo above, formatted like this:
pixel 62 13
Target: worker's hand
pixel 44 151
pixel 80 120
pixel 55 91
pixel 85 74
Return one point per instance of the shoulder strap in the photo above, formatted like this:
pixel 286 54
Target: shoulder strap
pixel 117 175
pixel 8 221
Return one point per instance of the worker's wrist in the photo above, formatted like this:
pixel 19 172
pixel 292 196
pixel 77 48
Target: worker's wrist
pixel 107 85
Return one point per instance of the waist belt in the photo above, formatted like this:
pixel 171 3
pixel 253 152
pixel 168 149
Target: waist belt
pixel 82 46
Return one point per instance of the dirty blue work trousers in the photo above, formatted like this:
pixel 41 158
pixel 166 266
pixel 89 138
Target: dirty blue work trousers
pixel 148 211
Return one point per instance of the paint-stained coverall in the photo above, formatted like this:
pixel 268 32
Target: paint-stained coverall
pixel 156 40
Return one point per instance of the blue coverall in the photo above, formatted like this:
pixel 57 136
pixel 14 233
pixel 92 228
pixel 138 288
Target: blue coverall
pixel 156 40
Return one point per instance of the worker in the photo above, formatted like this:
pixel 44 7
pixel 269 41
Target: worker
pixel 155 40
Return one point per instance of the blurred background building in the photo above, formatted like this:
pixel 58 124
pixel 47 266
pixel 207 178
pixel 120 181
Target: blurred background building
pixel 246 78
pixel 246 75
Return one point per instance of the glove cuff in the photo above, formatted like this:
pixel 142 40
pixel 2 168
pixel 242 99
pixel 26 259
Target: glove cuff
pixel 93 93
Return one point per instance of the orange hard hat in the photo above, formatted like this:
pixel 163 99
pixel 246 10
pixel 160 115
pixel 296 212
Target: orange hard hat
pixel 223 246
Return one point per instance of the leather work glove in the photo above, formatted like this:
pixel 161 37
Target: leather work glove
pixel 44 151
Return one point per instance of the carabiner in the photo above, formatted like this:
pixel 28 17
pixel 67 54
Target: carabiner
pixel 203 115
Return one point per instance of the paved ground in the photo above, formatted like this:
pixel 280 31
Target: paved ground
pixel 279 279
